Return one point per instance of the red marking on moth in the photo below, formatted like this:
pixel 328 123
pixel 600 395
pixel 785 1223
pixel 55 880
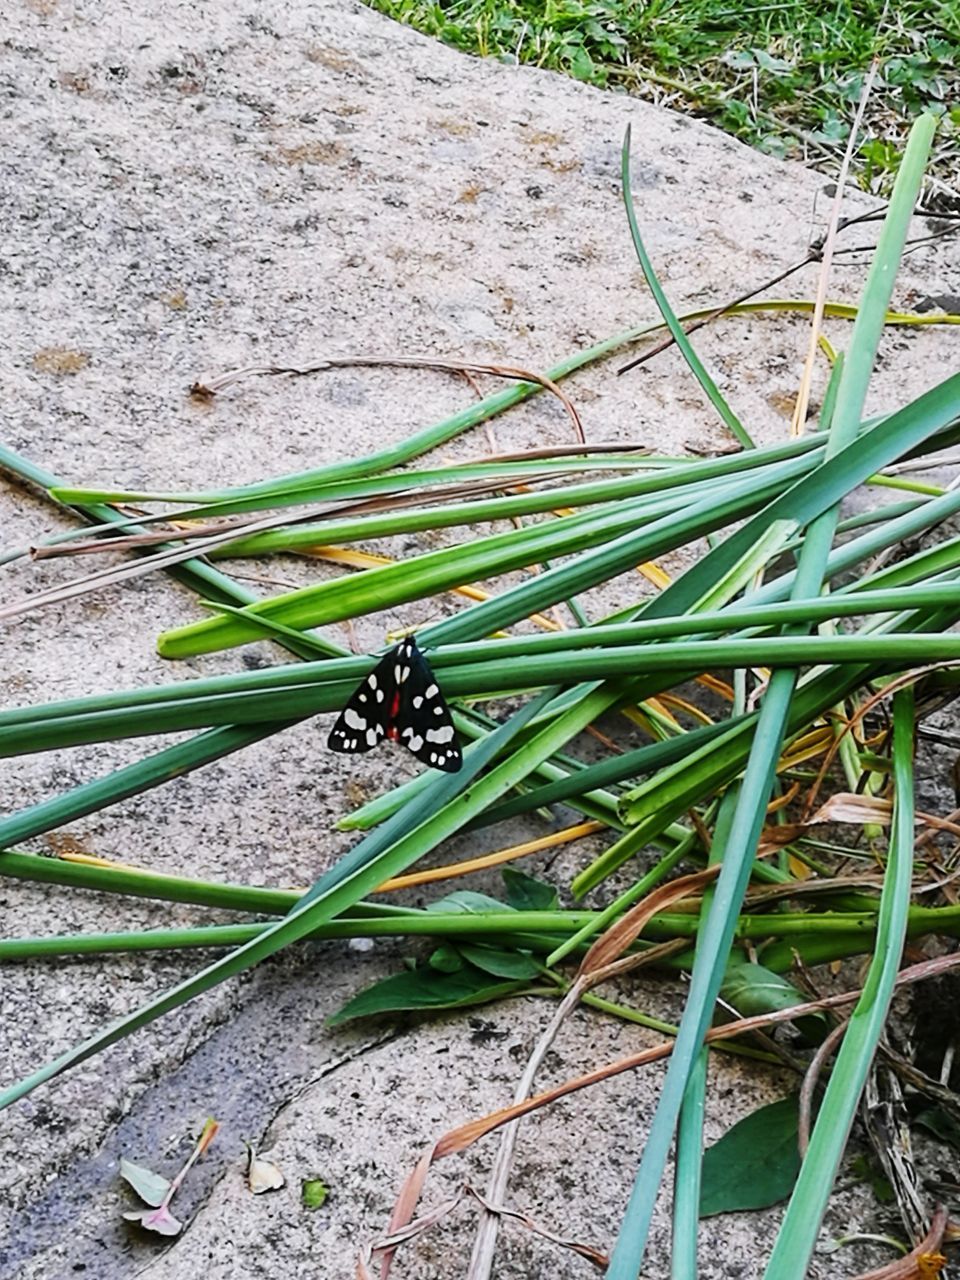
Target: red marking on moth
pixel 399 697
pixel 393 733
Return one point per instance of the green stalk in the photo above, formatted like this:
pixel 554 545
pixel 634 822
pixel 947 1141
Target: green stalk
pixel 717 935
pixel 398 455
pixel 147 884
pixel 623 546
pixel 689 1158
pixel 833 935
pixel 470 680
pixel 734 618
pixel 659 485
pixel 381 855
pixel 196 574
pixel 592 800
pixel 798 1232
pixel 677 332
pixel 530 929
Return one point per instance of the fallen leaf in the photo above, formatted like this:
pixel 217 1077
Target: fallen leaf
pixel 426 989
pixel 263 1175
pixel 160 1220
pixel 754 989
pixel 526 893
pixel 847 806
pixel 151 1187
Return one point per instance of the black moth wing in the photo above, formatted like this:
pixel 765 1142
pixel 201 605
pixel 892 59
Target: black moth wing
pixel 400 699
pixel 363 722
pixel 423 723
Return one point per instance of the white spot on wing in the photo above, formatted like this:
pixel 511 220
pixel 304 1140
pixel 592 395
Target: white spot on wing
pixel 372 737
pixel 444 734
pixel 353 720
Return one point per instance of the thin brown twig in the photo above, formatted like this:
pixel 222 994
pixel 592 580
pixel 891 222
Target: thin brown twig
pixel 328 511
pixel 390 1242
pixel 810 1080
pixel 668 339
pixel 113 528
pixel 465 1135
pixel 207 386
pixel 882 695
pixel 166 558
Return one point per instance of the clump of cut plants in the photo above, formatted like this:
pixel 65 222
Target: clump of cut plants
pixel 738 742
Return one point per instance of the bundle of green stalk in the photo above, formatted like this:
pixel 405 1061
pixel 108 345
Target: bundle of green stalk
pixel 786 585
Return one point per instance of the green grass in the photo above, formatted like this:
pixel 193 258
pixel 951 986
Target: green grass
pixel 784 77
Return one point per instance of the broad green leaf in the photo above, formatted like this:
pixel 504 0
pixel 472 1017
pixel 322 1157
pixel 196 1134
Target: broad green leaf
pixel 150 1187
pixel 425 989
pixel 752 989
pixel 526 893
pixel 502 963
pixel 446 959
pixel 467 901
pixel 755 1164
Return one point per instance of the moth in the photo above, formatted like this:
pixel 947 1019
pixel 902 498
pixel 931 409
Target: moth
pixel 400 700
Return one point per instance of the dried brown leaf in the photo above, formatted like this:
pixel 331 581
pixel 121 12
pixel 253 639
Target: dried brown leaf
pixel 611 945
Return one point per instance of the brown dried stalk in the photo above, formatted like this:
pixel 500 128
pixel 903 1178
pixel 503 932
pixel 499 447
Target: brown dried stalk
pixel 210 386
pixel 922 1263
pixel 882 695
pixel 810 1079
pixel 389 1243
pixel 245 525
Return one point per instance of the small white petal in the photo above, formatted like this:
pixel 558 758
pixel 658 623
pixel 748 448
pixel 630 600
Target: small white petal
pixel 264 1175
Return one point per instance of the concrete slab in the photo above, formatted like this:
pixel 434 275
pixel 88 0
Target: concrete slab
pixel 201 186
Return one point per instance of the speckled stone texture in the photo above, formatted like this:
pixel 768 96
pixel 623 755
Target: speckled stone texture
pixel 198 186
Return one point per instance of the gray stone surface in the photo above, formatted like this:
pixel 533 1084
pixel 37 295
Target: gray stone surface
pixel 187 187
